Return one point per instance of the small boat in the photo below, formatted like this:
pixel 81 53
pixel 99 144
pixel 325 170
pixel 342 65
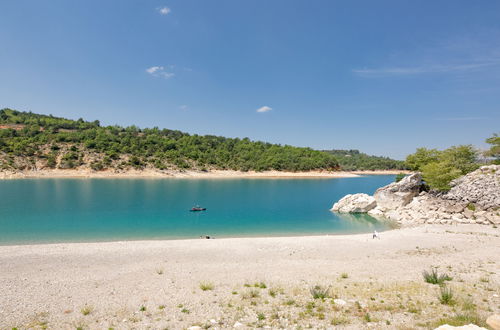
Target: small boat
pixel 197 208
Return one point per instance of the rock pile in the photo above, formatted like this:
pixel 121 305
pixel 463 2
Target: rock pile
pixel 474 198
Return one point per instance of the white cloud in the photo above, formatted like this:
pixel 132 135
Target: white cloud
pixel 164 10
pixel 153 69
pixel 159 71
pixel 264 109
pixel 184 107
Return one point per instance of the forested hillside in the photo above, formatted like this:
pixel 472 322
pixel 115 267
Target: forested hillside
pixel 31 141
pixel 352 160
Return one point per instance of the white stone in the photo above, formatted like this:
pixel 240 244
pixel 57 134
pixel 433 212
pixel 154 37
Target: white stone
pixel 356 203
pixel 238 325
pixel 339 302
pixel 463 327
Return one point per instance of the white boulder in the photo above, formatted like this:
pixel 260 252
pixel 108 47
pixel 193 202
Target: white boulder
pixel 463 327
pixel 355 203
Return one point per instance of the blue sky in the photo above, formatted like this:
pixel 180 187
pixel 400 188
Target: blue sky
pixel 381 76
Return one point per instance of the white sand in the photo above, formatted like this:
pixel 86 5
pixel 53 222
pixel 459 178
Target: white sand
pixel 48 285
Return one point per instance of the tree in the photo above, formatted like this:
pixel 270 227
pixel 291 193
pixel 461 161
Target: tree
pixel 439 168
pixel 438 175
pixel 494 149
pixel 461 157
pixel 422 157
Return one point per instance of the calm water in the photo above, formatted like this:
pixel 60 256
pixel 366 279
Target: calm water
pixel 61 210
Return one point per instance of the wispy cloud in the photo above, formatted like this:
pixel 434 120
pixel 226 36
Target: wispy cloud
pixel 183 107
pixel 264 109
pixel 159 71
pixel 164 10
pixel 424 69
pixel 461 118
pixel 463 55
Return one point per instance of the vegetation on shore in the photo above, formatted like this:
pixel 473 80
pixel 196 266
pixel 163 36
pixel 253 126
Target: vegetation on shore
pixel 31 141
pixel 354 160
pixel 440 167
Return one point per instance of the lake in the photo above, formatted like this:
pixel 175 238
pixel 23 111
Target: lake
pixel 81 210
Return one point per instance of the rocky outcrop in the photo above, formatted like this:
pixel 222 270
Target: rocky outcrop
pixel 398 194
pixel 357 203
pixel 474 198
pixel 481 188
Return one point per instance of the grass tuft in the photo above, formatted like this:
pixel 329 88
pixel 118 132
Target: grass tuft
pixel 462 319
pixel 87 310
pixel 206 286
pixel 433 277
pixel 320 292
pixel 446 296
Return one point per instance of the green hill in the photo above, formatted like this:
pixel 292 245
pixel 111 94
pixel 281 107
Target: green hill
pixel 352 160
pixel 33 141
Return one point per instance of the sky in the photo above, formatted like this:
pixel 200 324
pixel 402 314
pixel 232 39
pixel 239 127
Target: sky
pixel 384 77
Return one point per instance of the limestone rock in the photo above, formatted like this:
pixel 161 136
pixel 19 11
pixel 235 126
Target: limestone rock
pixel 356 203
pixel 463 327
pixel 494 321
pixel 398 194
pixel 481 188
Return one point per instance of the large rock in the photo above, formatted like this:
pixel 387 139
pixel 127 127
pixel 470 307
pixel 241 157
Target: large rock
pixel 357 203
pixel 398 194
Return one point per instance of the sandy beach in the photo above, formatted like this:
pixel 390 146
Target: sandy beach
pixel 252 282
pixel 213 174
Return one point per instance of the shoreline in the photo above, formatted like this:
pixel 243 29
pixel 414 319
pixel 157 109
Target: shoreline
pixel 139 284
pixel 214 174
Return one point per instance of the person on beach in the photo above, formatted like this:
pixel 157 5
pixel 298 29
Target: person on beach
pixel 375 234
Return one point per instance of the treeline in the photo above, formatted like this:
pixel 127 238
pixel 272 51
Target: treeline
pixel 29 141
pixel 352 160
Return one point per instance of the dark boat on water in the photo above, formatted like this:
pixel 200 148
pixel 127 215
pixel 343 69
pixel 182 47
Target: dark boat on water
pixel 197 208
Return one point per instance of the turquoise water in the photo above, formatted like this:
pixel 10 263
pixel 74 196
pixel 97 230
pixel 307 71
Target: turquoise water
pixel 73 210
